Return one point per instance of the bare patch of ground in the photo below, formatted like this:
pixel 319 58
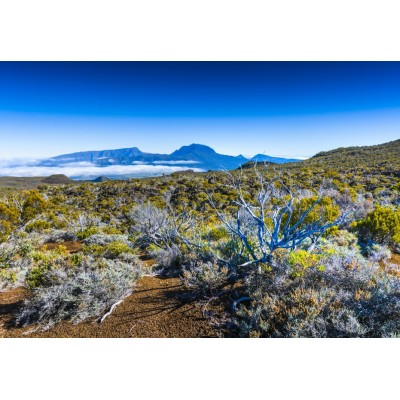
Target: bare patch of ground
pixel 72 247
pixel 154 310
pixel 395 258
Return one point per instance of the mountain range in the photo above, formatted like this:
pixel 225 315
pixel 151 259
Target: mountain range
pixel 192 156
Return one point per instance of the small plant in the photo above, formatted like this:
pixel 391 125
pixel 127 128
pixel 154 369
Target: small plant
pixel 86 233
pixel 300 260
pixel 115 249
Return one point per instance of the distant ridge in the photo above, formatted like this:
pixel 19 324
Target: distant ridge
pixel 102 179
pixel 58 179
pixel 194 155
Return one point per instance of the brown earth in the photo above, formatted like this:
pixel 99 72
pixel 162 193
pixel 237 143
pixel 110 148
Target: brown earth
pixel 71 247
pixel 154 310
pixel 395 258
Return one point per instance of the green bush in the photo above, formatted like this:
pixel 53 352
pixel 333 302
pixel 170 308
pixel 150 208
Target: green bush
pixel 382 225
pixel 115 249
pixel 33 205
pixel 36 276
pixel 39 225
pixel 82 235
pixel 110 230
pixel 218 233
pixel 9 216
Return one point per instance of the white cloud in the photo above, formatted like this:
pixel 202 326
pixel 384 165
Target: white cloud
pixel 15 162
pixel 177 162
pixel 61 159
pixel 83 170
pixel 82 164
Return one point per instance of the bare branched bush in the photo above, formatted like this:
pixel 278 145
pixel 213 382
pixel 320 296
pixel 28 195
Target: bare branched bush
pixel 164 228
pixel 153 226
pixel 279 217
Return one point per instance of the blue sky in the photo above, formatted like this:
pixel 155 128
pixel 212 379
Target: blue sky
pixel 283 109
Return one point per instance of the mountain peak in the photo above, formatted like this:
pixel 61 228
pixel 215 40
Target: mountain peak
pixel 195 148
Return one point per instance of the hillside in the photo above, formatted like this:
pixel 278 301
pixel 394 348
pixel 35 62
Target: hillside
pixel 33 182
pixel 371 168
pixel 386 154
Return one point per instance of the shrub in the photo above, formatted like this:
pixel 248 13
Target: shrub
pixel 382 225
pixel 204 278
pixel 36 276
pixel 9 216
pixel 58 235
pixel 300 260
pixel 344 238
pixel 115 249
pixel 39 225
pixel 217 233
pixel 378 253
pixel 348 297
pixel 33 205
pixel 42 263
pixel 13 267
pixel 110 230
pixel 78 294
pixel 169 259
pixel 87 232
pixel 103 240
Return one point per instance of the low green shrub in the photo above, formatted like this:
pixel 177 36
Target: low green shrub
pixel 84 234
pixel 39 225
pixel 382 225
pixel 115 249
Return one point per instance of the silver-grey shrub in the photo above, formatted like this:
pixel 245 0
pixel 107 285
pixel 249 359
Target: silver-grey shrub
pixel 346 295
pixel 103 239
pixel 204 279
pixel 76 294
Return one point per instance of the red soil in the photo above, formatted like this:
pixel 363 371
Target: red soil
pixel 153 310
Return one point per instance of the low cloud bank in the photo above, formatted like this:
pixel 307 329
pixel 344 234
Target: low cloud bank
pixel 179 162
pixel 84 170
pixel 16 162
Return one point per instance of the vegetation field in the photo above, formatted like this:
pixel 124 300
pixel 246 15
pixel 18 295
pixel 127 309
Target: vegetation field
pixel 307 249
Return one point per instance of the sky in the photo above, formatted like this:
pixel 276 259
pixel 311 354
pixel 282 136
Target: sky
pixel 289 109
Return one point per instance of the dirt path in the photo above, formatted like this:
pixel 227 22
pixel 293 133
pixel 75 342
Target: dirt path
pixel 153 310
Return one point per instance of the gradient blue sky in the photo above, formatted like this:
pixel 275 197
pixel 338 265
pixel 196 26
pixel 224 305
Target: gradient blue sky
pixel 284 109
